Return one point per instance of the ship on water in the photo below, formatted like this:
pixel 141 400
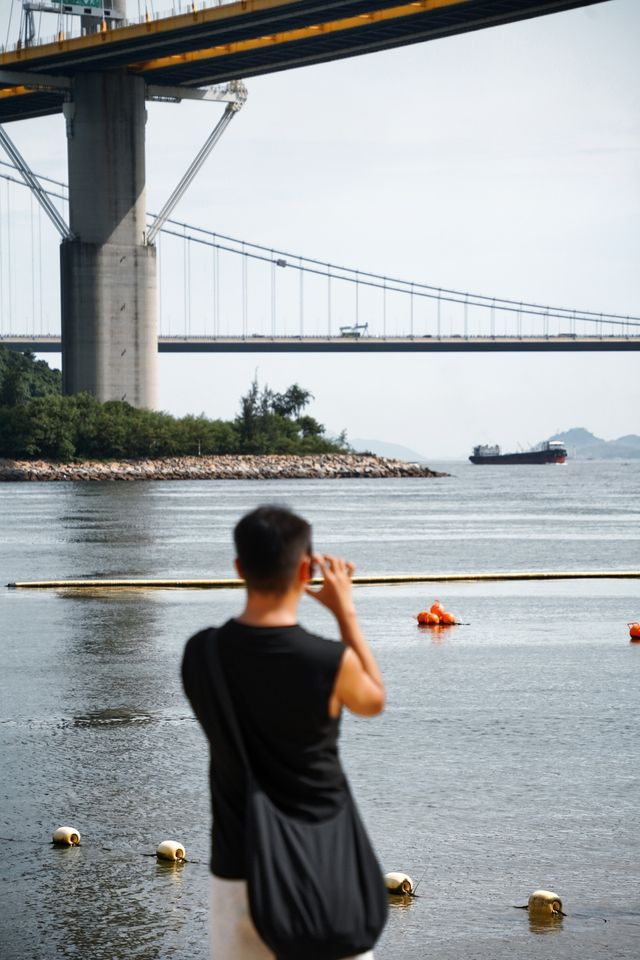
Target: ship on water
pixel 551 451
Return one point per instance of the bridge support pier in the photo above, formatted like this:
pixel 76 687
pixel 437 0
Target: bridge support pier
pixel 108 272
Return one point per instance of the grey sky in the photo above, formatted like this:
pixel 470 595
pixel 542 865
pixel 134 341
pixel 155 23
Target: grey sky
pixel 504 161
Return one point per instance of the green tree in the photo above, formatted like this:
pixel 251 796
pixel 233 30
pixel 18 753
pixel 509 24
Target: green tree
pixel 37 421
pixel 292 402
pixel 23 377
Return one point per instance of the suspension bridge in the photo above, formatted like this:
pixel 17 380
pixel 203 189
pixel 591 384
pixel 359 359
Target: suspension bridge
pixel 132 283
pixel 220 294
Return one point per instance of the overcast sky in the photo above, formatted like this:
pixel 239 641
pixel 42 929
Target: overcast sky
pixel 504 161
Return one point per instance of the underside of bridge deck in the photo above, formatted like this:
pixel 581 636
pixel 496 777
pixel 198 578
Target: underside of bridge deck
pixel 250 38
pixel 453 344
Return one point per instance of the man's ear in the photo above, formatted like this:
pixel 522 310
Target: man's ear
pixel 238 568
pixel 304 570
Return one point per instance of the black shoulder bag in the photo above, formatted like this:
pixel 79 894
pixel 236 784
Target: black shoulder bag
pixel 316 890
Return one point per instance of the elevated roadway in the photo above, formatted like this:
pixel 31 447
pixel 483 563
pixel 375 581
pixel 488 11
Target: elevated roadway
pixel 243 39
pixel 310 344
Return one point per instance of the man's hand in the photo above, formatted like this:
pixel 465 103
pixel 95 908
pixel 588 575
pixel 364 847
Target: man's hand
pixel 336 592
pixel 358 685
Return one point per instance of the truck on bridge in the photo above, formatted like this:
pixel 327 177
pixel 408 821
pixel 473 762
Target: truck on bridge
pixel 354 330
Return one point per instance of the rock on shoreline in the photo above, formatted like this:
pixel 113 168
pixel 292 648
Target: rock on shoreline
pixel 227 467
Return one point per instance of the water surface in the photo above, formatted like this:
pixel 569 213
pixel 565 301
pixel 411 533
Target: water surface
pixel 506 760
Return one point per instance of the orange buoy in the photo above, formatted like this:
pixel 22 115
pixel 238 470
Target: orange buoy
pixel 436 608
pixel 634 632
pixel 427 619
pixel 447 618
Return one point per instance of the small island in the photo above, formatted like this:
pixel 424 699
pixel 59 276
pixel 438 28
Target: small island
pixel 47 436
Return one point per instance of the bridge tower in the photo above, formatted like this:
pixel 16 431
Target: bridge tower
pixel 108 270
pixel 107 256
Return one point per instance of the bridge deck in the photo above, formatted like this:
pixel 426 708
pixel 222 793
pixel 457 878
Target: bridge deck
pixel 311 344
pixel 252 37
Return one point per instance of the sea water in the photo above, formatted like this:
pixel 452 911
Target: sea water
pixel 506 760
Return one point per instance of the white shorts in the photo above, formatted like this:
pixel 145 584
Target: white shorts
pixel 232 935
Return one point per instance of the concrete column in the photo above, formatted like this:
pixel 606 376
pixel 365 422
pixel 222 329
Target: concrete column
pixel 108 274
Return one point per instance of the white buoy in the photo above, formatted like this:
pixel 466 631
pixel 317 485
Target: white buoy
pixel 544 905
pixel 398 882
pixel 66 836
pixel 170 850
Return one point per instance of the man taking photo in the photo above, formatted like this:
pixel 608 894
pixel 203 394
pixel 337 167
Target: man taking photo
pixel 287 688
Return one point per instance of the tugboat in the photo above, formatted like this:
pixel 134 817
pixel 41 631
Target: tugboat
pixel 551 451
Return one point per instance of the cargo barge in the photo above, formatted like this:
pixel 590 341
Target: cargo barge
pixel 551 451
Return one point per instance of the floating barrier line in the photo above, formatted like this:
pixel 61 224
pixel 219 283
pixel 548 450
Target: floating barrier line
pixel 381 580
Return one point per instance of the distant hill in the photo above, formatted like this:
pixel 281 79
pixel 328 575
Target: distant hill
pixel 383 449
pixel 581 444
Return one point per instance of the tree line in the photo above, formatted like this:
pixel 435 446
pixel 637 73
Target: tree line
pixel 38 422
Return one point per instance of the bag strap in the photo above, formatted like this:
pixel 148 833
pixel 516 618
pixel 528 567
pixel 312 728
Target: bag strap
pixel 223 694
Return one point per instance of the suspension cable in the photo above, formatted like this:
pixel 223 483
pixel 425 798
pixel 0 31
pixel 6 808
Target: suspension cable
pixel 213 292
pixel 273 298
pixel 424 291
pixel 159 266
pixel 346 274
pixel 217 298
pixel 1 260
pixel 302 273
pixel 9 25
pixel 337 270
pixel 34 184
pixel 188 286
pixel 9 264
pixel 186 282
pixel 245 304
pixel 33 268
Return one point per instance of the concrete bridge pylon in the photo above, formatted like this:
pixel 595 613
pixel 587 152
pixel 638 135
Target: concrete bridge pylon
pixel 107 256
pixel 108 271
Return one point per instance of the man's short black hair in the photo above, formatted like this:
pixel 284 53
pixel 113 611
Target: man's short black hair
pixel 270 543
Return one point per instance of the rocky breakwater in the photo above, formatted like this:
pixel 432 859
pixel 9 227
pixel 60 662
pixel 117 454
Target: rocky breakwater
pixel 270 467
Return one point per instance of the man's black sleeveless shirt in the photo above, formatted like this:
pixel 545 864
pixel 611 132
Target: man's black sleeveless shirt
pixel 280 680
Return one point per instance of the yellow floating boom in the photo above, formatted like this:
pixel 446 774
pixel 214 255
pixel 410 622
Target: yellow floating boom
pixel 375 580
